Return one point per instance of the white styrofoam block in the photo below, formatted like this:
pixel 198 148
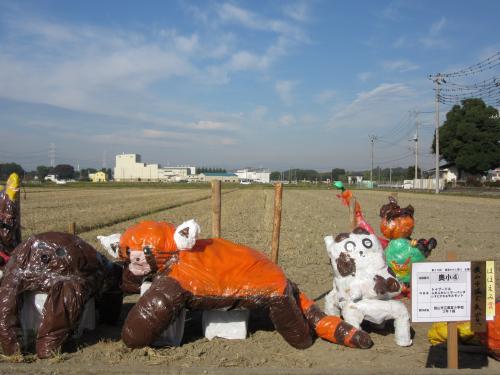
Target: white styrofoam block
pixel 172 336
pixel 231 324
pixel 31 315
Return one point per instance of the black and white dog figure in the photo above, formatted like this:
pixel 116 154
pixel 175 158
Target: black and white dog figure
pixel 363 285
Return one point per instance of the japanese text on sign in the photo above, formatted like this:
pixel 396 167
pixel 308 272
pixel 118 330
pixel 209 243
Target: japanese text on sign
pixel 441 291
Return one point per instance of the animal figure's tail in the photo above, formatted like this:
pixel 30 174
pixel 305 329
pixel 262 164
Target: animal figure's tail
pixel 333 328
pixel 359 221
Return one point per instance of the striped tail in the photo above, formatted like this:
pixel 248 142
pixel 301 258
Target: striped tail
pixel 333 328
pixel 359 221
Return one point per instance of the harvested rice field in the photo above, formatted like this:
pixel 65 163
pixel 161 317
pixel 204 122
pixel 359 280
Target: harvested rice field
pixel 467 225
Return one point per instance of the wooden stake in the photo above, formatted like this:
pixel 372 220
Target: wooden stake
pixel 452 344
pixel 278 195
pixel 72 228
pixel 216 208
pixel 352 214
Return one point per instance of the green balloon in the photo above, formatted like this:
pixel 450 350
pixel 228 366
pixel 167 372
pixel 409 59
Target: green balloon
pixel 399 255
pixel 339 185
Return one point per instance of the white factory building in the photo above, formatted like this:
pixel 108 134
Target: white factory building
pixel 129 167
pixel 262 176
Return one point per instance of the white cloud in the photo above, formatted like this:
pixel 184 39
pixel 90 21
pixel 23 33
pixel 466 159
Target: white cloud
pixel 244 60
pixel 373 108
pixel 325 96
pixel 298 11
pixel 399 66
pixel 391 11
pixel 287 120
pixel 400 42
pixel 211 125
pixel 285 91
pixel 364 76
pixel 433 38
pixel 234 14
pixel 437 26
pixel 260 112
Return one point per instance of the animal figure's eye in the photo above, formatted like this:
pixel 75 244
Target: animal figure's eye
pixel 61 251
pixel 349 246
pixel 42 246
pixel 147 250
pixel 367 243
pixel 45 258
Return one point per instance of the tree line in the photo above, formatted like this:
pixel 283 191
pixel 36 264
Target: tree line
pixel 340 174
pixel 62 171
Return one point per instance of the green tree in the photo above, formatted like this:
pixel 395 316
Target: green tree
pixel 42 171
pixel 8 168
pixel 470 137
pixel 337 172
pixel 410 172
pixel 64 171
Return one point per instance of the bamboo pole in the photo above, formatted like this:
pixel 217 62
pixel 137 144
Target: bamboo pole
pixel 278 194
pixel 216 208
pixel 452 344
pixel 72 228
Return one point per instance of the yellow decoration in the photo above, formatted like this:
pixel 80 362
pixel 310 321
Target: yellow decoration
pixel 438 333
pixel 12 186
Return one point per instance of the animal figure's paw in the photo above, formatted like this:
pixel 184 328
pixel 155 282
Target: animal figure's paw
pixel 111 243
pixel 404 342
pixel 186 234
pixel 361 340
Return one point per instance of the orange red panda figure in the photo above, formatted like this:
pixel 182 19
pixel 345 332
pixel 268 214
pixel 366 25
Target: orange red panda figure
pixel 208 274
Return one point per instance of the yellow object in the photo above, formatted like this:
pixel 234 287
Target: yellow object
pixel 438 333
pixel 98 177
pixel 490 290
pixel 12 186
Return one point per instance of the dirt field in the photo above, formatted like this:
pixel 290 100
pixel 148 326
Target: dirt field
pixel 466 225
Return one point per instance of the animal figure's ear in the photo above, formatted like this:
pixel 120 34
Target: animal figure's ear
pixel 186 234
pixel 329 242
pixel 111 244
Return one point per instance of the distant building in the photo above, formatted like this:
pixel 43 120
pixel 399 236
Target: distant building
pixel 129 167
pixel 494 175
pixel 224 177
pixel 98 177
pixel 262 176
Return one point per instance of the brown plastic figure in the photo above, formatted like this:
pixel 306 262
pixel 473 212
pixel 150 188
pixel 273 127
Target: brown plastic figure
pixel 71 272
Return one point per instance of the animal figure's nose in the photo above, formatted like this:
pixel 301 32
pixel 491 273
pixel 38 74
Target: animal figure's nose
pixel 361 253
pixel 137 259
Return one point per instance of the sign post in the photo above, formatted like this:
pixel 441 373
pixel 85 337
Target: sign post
pixel 453 292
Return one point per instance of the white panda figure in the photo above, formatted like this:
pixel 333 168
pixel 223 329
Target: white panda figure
pixel 363 284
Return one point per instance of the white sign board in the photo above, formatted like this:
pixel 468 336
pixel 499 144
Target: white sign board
pixel 440 291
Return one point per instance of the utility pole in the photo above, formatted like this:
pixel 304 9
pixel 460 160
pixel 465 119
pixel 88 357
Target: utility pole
pixel 372 138
pixel 437 79
pixel 390 175
pixel 416 149
pixel 104 159
pixel 52 155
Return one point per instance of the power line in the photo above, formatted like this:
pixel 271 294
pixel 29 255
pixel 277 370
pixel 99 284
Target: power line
pixel 487 64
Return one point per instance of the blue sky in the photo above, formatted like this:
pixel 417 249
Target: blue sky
pixel 280 84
